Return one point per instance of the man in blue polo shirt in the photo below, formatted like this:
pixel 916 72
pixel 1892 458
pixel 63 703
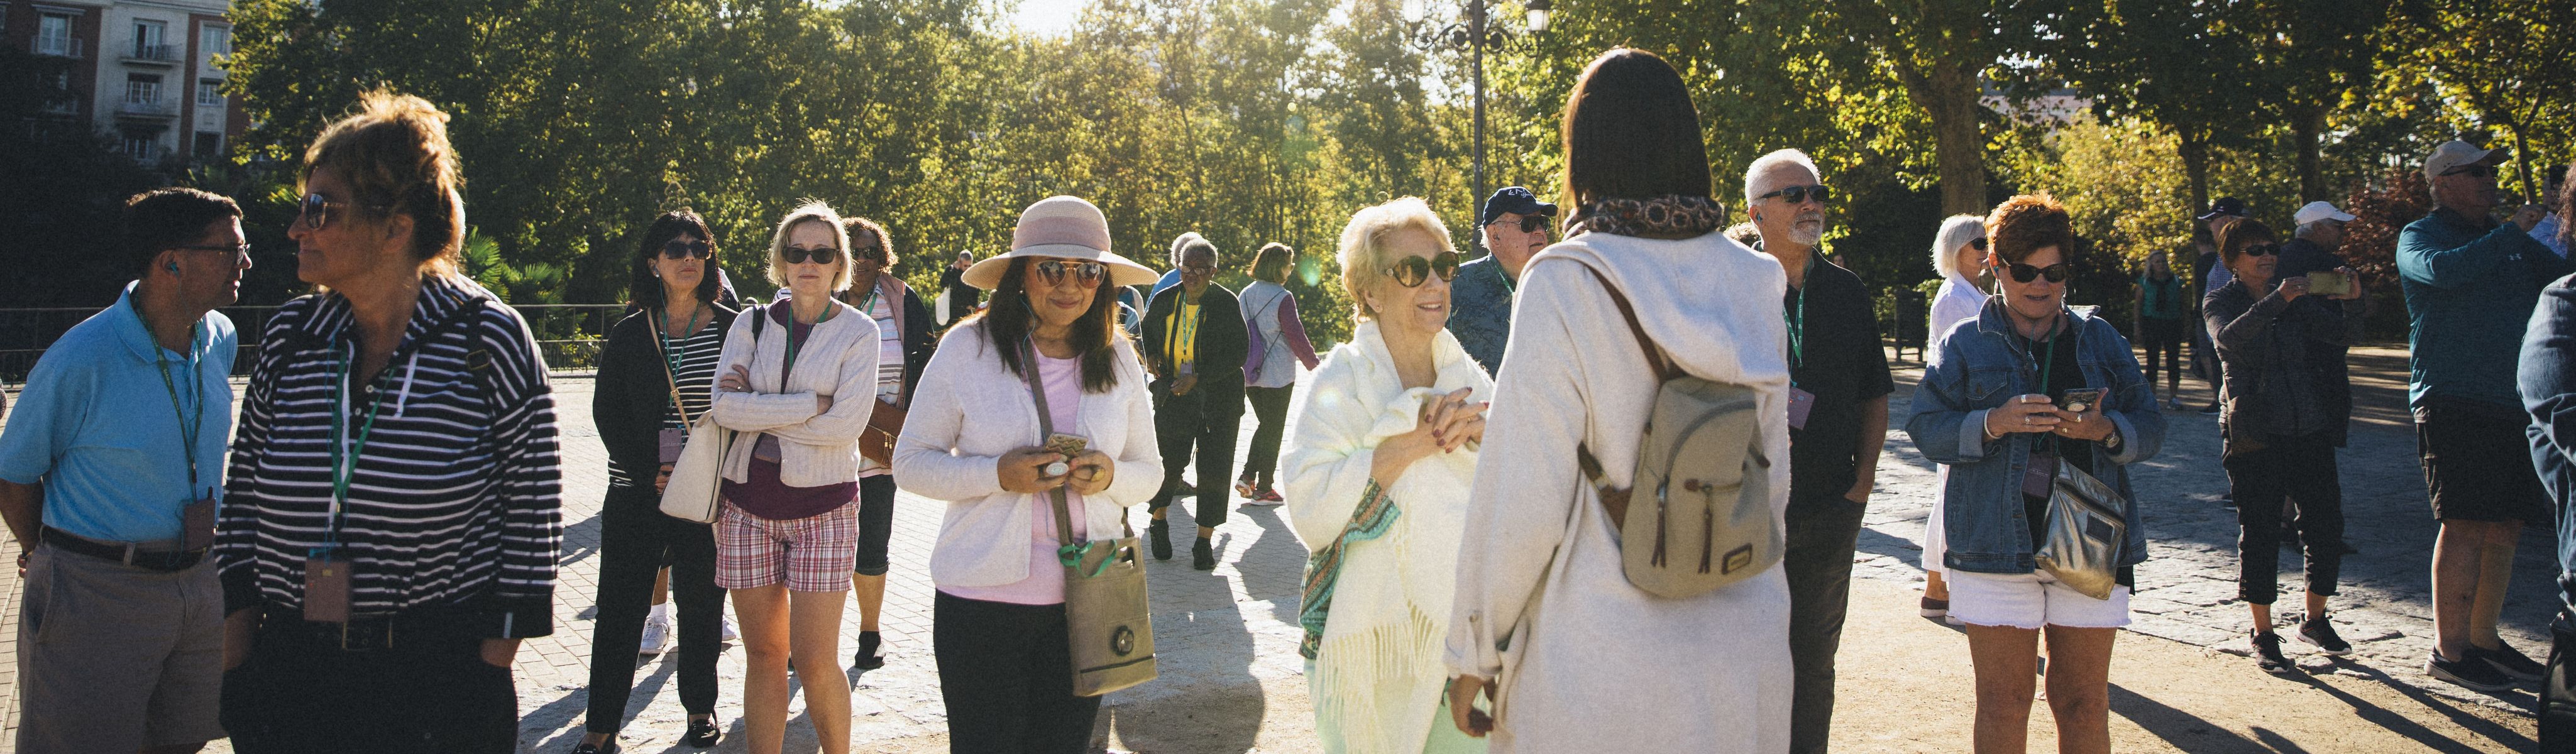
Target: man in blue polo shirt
pixel 2471 284
pixel 109 468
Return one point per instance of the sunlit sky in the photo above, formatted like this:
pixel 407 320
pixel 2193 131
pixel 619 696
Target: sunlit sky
pixel 1047 17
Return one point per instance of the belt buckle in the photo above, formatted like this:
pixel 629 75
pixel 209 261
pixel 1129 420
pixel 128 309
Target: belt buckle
pixel 130 550
pixel 379 636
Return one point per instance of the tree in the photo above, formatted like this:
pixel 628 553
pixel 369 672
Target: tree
pixel 2504 64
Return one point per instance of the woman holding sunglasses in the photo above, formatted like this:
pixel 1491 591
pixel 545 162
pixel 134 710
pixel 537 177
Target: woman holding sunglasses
pixel 1988 407
pixel 1195 344
pixel 2275 424
pixel 390 529
pixel 656 374
pixel 1378 472
pixel 796 381
pixel 999 631
pixel 903 348
pixel 1959 254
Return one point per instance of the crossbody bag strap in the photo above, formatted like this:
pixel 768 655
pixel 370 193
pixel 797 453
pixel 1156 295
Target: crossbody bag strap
pixel 660 346
pixel 1046 428
pixel 1583 457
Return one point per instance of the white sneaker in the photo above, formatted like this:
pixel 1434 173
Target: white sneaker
pixel 657 636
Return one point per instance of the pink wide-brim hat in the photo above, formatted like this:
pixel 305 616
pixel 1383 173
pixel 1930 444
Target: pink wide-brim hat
pixel 1062 227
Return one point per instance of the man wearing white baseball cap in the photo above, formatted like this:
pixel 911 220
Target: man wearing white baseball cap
pixel 2471 284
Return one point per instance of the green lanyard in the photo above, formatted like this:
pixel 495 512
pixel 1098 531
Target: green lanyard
pixel 1186 330
pixel 345 468
pixel 191 424
pixel 1509 287
pixel 791 333
pixel 1798 324
pixel 676 350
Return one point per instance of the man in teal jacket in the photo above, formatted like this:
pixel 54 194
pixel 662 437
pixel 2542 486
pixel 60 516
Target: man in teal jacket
pixel 2471 284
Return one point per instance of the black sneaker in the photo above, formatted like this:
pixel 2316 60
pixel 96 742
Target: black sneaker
pixel 2267 654
pixel 2317 631
pixel 2468 672
pixel 868 658
pixel 1159 535
pixel 2210 410
pixel 1202 555
pixel 2512 663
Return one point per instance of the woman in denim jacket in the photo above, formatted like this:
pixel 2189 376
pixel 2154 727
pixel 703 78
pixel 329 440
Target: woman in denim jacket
pixel 1987 408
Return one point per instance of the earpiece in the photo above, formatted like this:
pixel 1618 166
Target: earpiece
pixel 173 267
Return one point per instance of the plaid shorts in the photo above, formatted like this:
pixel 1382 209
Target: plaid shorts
pixel 811 554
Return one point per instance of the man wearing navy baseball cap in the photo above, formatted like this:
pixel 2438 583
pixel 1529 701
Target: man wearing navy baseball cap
pixel 1514 226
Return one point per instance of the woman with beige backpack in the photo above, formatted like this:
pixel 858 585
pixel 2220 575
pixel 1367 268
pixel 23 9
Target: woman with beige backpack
pixel 1037 486
pixel 1596 622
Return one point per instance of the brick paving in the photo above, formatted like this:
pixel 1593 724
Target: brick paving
pixel 1230 630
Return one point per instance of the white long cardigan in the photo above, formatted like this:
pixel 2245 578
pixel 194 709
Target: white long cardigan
pixel 984 537
pixel 838 358
pixel 1594 664
pixel 1378 670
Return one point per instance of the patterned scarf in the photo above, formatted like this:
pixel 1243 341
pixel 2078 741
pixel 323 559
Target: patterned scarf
pixel 1668 216
pixel 1375 514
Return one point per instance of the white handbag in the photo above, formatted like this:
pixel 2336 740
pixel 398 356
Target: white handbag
pixel 698 477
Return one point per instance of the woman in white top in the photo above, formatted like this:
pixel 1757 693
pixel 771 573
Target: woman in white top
pixel 1959 254
pixel 998 626
pixel 791 476
pixel 1578 658
pixel 1279 345
pixel 1377 474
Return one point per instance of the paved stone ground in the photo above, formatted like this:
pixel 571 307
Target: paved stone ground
pixel 1230 635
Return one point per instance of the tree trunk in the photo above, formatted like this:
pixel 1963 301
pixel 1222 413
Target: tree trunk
pixel 2194 152
pixel 1959 141
pixel 2304 126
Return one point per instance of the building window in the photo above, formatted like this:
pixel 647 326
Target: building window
pixel 54 35
pixel 142 145
pixel 210 92
pixel 209 146
pixel 148 39
pixel 142 88
pixel 216 40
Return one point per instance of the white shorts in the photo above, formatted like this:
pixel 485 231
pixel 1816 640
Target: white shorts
pixel 2030 600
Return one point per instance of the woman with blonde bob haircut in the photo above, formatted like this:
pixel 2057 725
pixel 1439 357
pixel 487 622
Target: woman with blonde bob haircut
pixel 797 381
pixel 1377 470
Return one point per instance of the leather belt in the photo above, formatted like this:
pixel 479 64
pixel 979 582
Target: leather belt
pixel 122 552
pixel 359 635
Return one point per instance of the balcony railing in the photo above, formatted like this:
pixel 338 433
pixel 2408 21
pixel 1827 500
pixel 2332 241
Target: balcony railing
pixel 60 47
pixel 154 54
pixel 146 107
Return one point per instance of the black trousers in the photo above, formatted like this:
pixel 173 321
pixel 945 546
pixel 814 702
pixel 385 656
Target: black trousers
pixel 2558 689
pixel 1006 674
pixel 876 525
pixel 1207 419
pixel 1824 529
pixel 635 540
pixel 2163 339
pixel 2301 467
pixel 430 693
pixel 1270 407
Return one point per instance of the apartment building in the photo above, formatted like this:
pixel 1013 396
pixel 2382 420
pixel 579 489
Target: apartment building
pixel 141 71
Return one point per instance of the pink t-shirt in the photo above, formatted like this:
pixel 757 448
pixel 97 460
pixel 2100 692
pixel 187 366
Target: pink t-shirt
pixel 1045 584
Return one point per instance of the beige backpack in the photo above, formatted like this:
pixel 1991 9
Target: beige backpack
pixel 1705 519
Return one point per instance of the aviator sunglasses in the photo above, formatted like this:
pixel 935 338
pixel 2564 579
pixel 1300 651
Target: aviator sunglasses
pixel 315 210
pixel 1411 271
pixel 1053 272
pixel 1799 194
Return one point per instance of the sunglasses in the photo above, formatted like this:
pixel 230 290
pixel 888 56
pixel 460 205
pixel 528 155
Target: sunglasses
pixel 682 249
pixel 2056 273
pixel 2473 171
pixel 1087 274
pixel 230 250
pixel 2259 250
pixel 820 255
pixel 1799 194
pixel 1411 271
pixel 315 210
pixel 1530 224
pixel 871 252
pixel 1978 243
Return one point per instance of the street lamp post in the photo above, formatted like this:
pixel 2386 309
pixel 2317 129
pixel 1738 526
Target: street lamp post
pixel 1474 36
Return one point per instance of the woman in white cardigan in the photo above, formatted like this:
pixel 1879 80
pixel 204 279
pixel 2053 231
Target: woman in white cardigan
pixel 1578 658
pixel 789 521
pixel 1377 470
pixel 998 621
pixel 1959 254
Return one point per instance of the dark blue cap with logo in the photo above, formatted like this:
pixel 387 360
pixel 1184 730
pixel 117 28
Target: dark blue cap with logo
pixel 1516 201
pixel 2226 205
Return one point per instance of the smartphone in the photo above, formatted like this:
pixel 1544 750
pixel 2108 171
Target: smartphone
pixel 2081 399
pixel 1067 445
pixel 2329 283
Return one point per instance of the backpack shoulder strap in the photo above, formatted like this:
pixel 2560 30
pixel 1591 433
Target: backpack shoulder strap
pixel 1664 369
